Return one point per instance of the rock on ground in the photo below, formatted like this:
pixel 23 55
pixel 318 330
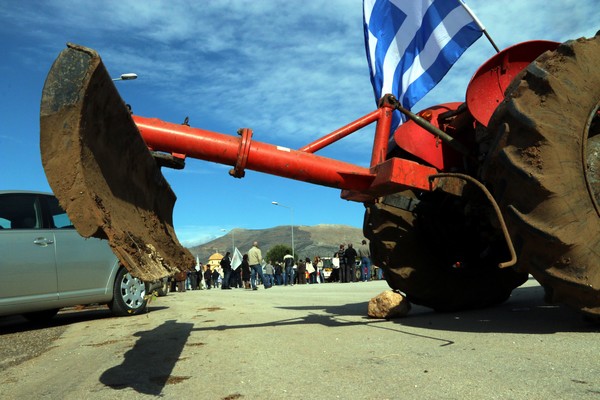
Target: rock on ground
pixel 388 304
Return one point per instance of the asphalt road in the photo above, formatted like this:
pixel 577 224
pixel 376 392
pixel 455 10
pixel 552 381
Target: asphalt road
pixel 309 342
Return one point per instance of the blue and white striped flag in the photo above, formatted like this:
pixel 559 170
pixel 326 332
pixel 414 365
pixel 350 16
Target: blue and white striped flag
pixel 411 45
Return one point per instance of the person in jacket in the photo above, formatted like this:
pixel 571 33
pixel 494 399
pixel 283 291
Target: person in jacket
pixel 343 272
pixel 269 274
pixel 350 255
pixel 226 266
pixel 236 278
pixel 254 259
pixel 278 274
pixel 318 264
pixel 288 264
pixel 301 272
pixel 180 278
pixel 311 270
pixel 208 277
pixel 245 267
pixel 216 277
pixel 364 252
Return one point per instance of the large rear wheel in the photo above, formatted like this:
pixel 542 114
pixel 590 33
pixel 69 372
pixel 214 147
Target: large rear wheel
pixel 440 253
pixel 544 171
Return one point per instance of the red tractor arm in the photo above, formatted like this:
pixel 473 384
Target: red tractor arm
pixel 242 152
pixel 114 189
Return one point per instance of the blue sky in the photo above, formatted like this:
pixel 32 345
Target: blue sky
pixel 292 71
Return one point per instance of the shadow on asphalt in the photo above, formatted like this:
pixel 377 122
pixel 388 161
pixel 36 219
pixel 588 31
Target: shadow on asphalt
pixel 525 313
pixel 148 365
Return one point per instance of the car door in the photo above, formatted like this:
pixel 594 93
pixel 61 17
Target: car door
pixel 28 279
pixel 85 267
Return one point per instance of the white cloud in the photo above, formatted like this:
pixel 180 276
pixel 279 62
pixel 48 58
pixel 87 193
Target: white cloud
pixel 291 71
pixel 194 235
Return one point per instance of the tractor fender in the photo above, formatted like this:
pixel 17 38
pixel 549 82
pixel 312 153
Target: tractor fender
pixel 487 86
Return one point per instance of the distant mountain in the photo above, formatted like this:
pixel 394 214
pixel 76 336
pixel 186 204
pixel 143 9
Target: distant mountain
pixel 309 241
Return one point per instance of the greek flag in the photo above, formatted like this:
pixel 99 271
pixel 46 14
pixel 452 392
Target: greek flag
pixel 411 45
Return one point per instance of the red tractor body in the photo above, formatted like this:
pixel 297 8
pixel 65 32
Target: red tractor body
pixel 437 187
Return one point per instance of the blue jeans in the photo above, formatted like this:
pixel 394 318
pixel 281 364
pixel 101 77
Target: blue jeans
pixel 226 278
pixel 365 274
pixel 289 276
pixel 268 280
pixel 256 270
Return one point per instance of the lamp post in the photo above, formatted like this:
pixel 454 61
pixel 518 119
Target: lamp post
pixel 126 77
pixel 292 219
pixel 232 241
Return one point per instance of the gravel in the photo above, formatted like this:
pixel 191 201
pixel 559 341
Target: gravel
pixel 22 341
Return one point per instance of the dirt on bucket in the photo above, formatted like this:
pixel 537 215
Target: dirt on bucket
pixel 102 172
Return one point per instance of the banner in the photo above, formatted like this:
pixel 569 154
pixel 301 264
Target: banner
pixel 236 260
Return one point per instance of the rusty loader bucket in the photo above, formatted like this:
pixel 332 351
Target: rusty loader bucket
pixel 101 170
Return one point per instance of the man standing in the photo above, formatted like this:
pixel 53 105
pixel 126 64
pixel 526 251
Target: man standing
pixel 365 258
pixel 342 262
pixel 288 264
pixel 208 276
pixel 269 272
pixel 350 255
pixel 226 266
pixel 254 259
pixel 301 272
pixel 278 274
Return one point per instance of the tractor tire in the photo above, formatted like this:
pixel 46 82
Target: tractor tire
pixel 543 170
pixel 415 262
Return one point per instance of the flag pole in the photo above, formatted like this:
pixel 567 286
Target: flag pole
pixel 478 22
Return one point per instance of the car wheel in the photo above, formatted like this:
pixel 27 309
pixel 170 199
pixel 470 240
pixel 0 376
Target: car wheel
pixel 129 295
pixel 41 317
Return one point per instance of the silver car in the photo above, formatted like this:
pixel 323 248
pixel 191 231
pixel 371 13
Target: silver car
pixel 46 265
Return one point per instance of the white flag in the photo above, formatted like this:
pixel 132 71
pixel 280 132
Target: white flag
pixel 236 261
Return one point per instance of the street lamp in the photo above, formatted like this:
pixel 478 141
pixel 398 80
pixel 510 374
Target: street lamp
pixel 126 77
pixel 292 218
pixel 232 241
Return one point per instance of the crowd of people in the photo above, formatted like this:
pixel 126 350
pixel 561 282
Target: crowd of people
pixel 254 270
